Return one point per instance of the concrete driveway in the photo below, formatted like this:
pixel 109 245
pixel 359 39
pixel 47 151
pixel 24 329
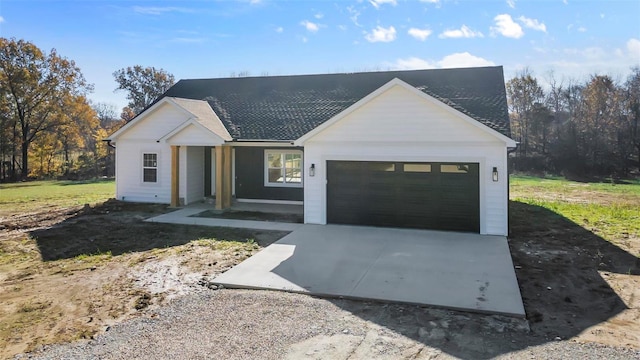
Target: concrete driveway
pixel 452 270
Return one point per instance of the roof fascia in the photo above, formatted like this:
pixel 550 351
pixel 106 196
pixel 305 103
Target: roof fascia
pixel 265 143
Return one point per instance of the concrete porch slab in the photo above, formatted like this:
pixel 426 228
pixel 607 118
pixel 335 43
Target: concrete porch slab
pixel 185 216
pixel 452 270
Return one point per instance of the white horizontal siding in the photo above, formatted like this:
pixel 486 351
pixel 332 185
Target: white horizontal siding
pixel 162 121
pixel 129 184
pixel 399 115
pixel 400 126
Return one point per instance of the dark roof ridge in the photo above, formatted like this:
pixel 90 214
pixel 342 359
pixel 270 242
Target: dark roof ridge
pixel 336 73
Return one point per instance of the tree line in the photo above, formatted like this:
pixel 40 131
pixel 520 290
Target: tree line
pixel 48 126
pixel 50 129
pixel 581 130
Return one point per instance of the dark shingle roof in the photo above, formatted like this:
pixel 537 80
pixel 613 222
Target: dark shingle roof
pixel 287 107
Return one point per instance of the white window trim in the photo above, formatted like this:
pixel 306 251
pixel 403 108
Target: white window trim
pixel 157 167
pixel 265 168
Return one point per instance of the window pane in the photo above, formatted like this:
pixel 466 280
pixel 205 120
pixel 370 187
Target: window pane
pixel 275 176
pixel 293 161
pixel 274 160
pixel 425 168
pixel 294 176
pixel 150 175
pixel 454 168
pixel 150 160
pixel 380 166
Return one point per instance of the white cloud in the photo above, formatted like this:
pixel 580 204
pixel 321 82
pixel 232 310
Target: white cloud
pixel 633 45
pixel 318 15
pixel 580 62
pixel 342 27
pixel 354 15
pixel 376 3
pixel 311 27
pixel 430 1
pixel 533 24
pixel 1 19
pixel 279 29
pixel 255 2
pixel 413 63
pixel 506 27
pixel 511 3
pixel 463 60
pixel 463 32
pixel 159 10
pixel 582 29
pixel 455 60
pixel 380 34
pixel 419 34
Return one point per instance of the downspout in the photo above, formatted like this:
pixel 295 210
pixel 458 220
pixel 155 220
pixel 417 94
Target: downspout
pixel 509 151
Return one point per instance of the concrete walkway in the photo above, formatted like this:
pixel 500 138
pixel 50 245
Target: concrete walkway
pixel 185 216
pixel 452 270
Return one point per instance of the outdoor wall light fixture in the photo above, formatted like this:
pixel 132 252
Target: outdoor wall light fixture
pixel 495 173
pixel 312 170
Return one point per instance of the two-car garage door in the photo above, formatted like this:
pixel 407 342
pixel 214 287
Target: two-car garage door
pixel 434 195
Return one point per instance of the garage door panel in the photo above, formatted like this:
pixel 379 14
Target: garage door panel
pixel 418 195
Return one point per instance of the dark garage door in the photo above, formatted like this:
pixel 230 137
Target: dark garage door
pixel 442 196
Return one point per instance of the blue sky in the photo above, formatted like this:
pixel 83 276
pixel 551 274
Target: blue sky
pixel 204 39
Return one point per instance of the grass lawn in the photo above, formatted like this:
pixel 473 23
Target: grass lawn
pixel 611 211
pixel 29 196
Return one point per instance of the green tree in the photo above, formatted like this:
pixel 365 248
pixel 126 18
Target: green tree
pixel 143 85
pixel 600 125
pixel 37 84
pixel 632 97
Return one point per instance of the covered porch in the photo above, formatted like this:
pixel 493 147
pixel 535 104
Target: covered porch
pixel 199 172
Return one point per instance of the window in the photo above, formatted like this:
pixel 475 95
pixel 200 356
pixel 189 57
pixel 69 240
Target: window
pixel 150 168
pixel 381 166
pixel 283 168
pixel 454 168
pixel 424 168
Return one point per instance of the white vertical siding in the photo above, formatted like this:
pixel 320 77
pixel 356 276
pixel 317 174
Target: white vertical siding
pixel 400 126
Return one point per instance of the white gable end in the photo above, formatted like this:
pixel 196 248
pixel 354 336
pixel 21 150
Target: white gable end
pixel 399 115
pixel 157 124
pixel 193 135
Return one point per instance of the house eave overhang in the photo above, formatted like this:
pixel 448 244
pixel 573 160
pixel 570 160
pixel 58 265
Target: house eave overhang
pixel 262 142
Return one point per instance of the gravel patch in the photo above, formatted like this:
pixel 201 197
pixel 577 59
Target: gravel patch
pixel 245 324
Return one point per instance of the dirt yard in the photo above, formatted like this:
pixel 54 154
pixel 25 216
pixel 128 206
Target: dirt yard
pixel 69 273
